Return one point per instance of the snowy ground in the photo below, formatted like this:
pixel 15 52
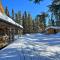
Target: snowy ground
pixel 33 47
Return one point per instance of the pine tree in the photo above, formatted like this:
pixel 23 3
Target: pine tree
pixel 16 18
pixel 25 22
pixel 33 25
pixel 6 11
pixel 8 14
pixel 30 24
pixel 37 23
pixel 36 1
pixel 41 22
pixel 20 17
pixel 13 14
pixel 49 22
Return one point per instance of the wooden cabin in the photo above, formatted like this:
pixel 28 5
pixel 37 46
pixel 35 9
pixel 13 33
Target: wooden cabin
pixel 52 29
pixel 8 29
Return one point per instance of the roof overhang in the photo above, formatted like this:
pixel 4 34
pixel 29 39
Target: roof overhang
pixel 53 27
pixel 8 20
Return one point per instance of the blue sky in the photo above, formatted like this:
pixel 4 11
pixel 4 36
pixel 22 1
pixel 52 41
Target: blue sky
pixel 25 5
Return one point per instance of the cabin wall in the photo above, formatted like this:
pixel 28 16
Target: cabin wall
pixel 57 30
pixel 4 38
pixel 50 31
pixel 8 30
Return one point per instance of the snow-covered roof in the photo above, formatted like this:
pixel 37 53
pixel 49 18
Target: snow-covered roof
pixel 54 27
pixel 7 19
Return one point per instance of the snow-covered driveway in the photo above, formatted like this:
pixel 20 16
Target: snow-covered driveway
pixel 33 47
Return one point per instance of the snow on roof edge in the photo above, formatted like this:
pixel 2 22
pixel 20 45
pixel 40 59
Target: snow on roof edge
pixel 6 18
pixel 54 27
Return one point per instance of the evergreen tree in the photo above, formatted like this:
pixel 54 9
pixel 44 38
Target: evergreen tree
pixel 37 24
pixel 41 22
pixel 34 26
pixel 25 22
pixel 30 24
pixel 20 17
pixel 12 14
pixel 6 11
pixel 16 18
pixel 8 14
pixel 55 9
pixel 36 1
pixel 49 22
pixel 43 18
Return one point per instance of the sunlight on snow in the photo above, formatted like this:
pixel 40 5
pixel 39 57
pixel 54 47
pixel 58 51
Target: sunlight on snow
pixel 46 46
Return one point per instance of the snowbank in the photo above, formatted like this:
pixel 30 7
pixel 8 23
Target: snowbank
pixel 33 47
